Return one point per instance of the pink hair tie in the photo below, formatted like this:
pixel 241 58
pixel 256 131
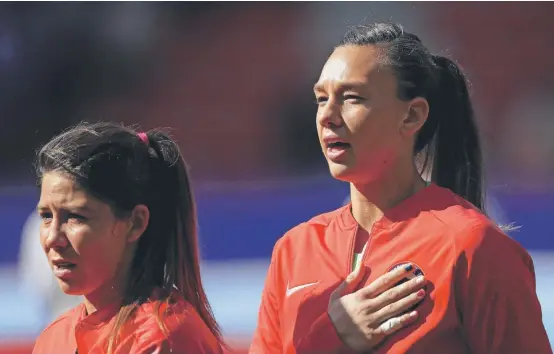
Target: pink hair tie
pixel 144 138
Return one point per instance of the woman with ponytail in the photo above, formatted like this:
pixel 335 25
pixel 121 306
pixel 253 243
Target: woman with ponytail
pixel 119 228
pixel 409 265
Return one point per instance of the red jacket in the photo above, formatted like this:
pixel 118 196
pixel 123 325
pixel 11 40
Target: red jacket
pixel 74 330
pixel 480 298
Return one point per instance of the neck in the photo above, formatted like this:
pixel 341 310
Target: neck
pixel 371 200
pixel 103 297
pixel 110 292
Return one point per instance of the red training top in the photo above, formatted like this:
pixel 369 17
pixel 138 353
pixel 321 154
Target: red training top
pixel 74 330
pixel 481 283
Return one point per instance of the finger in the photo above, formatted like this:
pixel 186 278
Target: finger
pixel 398 292
pixel 394 324
pixel 349 284
pixel 385 281
pixel 398 307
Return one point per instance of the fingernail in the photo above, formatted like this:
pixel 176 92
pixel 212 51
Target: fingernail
pixel 408 267
pixel 421 293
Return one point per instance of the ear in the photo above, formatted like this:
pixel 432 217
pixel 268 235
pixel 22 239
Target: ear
pixel 418 110
pixel 139 222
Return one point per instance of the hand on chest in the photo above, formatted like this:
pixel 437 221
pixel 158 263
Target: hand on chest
pixel 311 283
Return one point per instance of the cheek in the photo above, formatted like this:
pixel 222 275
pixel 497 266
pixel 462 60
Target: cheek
pixel 376 136
pixel 356 120
pixel 367 127
pixel 381 124
pixel 100 253
pixel 81 237
pixel 96 244
pixel 43 235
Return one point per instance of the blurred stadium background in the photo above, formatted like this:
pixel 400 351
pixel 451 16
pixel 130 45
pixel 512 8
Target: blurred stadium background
pixel 234 82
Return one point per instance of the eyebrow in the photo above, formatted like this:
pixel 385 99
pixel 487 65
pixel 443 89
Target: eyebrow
pixel 342 86
pixel 78 208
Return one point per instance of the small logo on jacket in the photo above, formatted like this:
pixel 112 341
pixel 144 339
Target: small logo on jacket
pixel 294 289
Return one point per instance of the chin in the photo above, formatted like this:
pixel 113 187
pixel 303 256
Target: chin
pixel 353 175
pixel 341 172
pixel 70 288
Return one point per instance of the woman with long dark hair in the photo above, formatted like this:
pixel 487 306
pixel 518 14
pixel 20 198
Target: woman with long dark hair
pixel 119 227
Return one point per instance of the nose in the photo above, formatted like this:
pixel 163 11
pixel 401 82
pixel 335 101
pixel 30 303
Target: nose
pixel 55 235
pixel 329 114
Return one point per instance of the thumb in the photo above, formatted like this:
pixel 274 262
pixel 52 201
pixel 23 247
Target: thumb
pixel 349 284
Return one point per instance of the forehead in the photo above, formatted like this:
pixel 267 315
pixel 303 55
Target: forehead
pixel 61 190
pixel 354 66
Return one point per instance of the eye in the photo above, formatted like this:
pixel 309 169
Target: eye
pixel 353 98
pixel 46 216
pixel 76 218
pixel 321 99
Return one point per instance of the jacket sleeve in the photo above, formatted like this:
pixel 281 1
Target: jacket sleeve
pixel 323 338
pixel 496 295
pixel 267 338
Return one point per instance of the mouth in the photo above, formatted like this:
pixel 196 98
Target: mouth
pixel 63 266
pixel 338 145
pixel 336 151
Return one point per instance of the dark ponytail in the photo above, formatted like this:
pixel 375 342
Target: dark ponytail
pixel 167 255
pixel 456 154
pixel 449 138
pixel 182 259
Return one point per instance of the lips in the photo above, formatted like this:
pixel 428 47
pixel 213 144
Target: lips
pixel 63 269
pixel 333 140
pixel 62 263
pixel 336 147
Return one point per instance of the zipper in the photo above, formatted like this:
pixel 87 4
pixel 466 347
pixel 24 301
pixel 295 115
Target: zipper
pixel 365 250
pixel 350 261
pixel 365 253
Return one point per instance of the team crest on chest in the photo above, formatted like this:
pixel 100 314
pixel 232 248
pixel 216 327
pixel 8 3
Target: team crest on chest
pixel 414 273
